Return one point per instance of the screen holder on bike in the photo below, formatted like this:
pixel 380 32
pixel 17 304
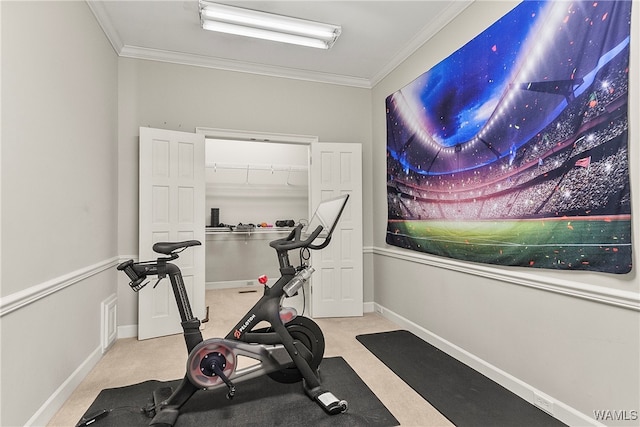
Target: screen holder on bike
pixel 322 224
pixel 327 215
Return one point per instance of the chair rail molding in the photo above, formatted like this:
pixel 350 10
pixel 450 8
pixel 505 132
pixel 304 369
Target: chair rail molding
pixel 615 297
pixel 32 294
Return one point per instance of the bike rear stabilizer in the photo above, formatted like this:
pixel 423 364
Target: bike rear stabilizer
pixel 327 400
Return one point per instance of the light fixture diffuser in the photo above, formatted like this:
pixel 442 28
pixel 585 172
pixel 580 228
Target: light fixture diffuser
pixel 252 23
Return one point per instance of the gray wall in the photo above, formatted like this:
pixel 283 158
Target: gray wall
pixel 59 205
pixel 579 352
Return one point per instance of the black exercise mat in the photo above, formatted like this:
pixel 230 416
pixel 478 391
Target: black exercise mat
pixel 460 393
pixel 258 402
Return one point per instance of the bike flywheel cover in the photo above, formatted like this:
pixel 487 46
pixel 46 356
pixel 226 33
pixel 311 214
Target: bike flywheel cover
pixel 197 372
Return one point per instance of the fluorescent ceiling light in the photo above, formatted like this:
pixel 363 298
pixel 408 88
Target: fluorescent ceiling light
pixel 252 23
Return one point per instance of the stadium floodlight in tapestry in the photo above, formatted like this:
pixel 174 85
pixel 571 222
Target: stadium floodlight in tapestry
pixel 513 150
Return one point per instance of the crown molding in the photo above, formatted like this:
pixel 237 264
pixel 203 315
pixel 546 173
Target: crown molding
pixel 444 18
pixel 239 66
pixel 104 21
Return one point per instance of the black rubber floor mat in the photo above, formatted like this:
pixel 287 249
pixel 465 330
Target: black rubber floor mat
pixel 460 393
pixel 258 402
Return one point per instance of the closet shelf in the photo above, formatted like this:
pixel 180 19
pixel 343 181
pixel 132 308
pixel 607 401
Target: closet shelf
pixel 254 173
pixel 257 230
pixel 256 167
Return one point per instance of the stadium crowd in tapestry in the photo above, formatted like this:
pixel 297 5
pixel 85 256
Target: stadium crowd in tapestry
pixel 514 150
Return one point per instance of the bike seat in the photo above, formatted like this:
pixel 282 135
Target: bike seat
pixel 168 248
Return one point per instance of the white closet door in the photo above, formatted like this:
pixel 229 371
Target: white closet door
pixel 172 208
pixel 337 284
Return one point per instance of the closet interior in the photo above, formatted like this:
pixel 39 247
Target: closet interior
pixel 255 190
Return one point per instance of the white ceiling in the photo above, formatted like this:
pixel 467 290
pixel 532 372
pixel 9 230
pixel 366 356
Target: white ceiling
pixel 376 36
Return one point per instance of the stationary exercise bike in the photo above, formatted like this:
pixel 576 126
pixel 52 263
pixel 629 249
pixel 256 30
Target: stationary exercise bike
pixel 290 349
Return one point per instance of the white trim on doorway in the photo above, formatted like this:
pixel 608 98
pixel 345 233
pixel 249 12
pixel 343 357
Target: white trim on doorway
pixel 256 136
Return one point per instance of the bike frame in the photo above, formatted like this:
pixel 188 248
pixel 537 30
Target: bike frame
pixel 274 350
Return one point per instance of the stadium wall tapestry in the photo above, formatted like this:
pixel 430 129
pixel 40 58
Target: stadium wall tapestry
pixel 514 149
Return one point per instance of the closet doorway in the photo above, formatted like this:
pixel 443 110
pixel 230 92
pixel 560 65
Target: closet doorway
pixel 255 191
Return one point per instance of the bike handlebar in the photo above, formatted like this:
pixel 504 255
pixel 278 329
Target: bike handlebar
pixel 293 240
pixel 137 278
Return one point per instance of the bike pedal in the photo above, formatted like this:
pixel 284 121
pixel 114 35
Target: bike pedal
pixel 232 393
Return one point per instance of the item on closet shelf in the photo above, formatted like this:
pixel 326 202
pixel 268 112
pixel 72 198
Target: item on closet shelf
pixel 245 227
pixel 265 225
pixel 215 217
pixel 285 223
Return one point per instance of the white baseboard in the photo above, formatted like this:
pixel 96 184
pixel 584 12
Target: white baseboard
pixel 44 414
pixel 127 331
pixel 368 307
pixel 561 411
pixel 234 284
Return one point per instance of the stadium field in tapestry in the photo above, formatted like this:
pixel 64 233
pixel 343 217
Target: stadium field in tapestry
pixel 514 149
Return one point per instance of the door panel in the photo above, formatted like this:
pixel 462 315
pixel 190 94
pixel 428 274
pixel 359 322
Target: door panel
pixel 337 287
pixel 171 209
